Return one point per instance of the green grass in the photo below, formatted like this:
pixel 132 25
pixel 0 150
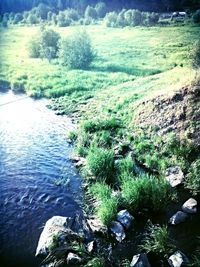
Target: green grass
pixel 158 241
pixel 145 192
pixel 193 178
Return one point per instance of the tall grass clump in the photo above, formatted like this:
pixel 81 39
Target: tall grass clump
pixel 107 205
pixel 76 51
pixel 126 166
pixel 95 125
pixel 100 163
pixel 145 191
pixel 158 241
pixel 193 178
pixel 195 56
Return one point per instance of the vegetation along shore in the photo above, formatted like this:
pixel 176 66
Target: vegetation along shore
pixel 129 78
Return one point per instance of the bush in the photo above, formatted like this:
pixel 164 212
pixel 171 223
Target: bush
pixel 42 10
pixel 145 192
pixel 72 14
pixel 111 19
pixel 90 12
pixel 101 9
pixel 34 47
pixel 196 16
pixel 121 22
pixel 49 44
pixel 158 241
pixel 32 19
pixel 62 20
pixel 76 51
pixel 17 87
pixel 4 23
pixel 193 178
pixel 195 56
pixel 133 17
pixel 101 164
pixel 17 18
pixel 151 19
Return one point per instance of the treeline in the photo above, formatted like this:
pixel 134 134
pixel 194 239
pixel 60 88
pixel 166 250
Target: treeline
pixel 144 5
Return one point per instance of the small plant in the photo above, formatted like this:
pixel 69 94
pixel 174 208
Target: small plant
pixel 158 241
pixel 76 52
pixel 146 192
pixel 193 178
pixel 101 164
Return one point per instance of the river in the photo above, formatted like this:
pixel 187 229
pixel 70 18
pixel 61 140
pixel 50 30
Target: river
pixel 34 154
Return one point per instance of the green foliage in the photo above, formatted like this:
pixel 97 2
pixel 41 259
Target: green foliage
pixel 195 56
pixel 17 18
pixel 4 23
pixel 90 12
pixel 44 45
pixel 63 20
pixel 101 164
pixel 193 178
pixel 32 19
pixel 98 124
pixel 133 17
pixel 76 52
pixel 158 241
pixel 96 262
pixel 17 87
pixel 101 9
pixel 111 19
pixel 34 47
pixel 196 16
pixel 41 11
pixel 126 166
pixel 145 192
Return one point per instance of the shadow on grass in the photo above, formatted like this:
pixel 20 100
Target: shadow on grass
pixel 127 70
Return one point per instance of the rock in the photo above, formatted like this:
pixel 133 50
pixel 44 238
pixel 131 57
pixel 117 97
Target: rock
pixel 178 259
pixel 174 176
pixel 190 206
pixel 178 217
pixel 118 230
pixel 66 230
pixel 97 227
pixel 125 218
pixel 52 227
pixel 140 260
pixel 73 259
pixel 90 246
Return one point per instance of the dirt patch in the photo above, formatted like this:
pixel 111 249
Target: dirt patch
pixel 178 112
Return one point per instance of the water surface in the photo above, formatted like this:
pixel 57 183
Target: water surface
pixel 34 153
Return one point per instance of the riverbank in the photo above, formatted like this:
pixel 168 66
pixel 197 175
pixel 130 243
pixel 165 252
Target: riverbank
pixel 126 129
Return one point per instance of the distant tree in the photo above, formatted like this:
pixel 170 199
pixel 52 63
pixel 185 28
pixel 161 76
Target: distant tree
pixel 54 18
pixel 49 15
pixel 42 11
pixel 101 9
pixel 121 22
pixel 76 52
pixel 62 20
pixel 32 19
pixel 196 16
pixel 72 14
pixel 133 17
pixel 5 22
pixel 49 44
pixel 17 18
pixel 111 19
pixel 90 12
pixel 11 16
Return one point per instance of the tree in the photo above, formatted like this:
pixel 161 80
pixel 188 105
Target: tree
pixel 90 12
pixel 17 18
pixel 101 9
pixel 76 52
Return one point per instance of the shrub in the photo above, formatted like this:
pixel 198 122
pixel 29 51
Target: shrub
pixel 196 16
pixel 42 10
pixel 72 14
pixel 76 51
pixel 101 9
pixel 17 18
pixel 4 23
pixel 126 166
pixel 34 47
pixel 111 19
pixel 145 192
pixel 90 12
pixel 49 44
pixel 151 19
pixel 133 17
pixel 62 20
pixel 49 15
pixel 121 22
pixel 195 56
pixel 32 19
pixel 158 241
pixel 193 178
pixel 107 210
pixel 101 164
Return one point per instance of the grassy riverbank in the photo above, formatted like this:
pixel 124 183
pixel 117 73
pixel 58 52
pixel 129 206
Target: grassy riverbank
pixel 137 105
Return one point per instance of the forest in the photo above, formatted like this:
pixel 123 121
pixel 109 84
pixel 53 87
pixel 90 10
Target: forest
pixel 145 5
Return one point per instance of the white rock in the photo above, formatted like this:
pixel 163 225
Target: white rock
pixel 52 227
pixel 96 226
pixel 73 259
pixel 174 176
pixel 178 259
pixel 90 246
pixel 118 230
pixel 190 206
pixel 178 217
pixel 140 260
pixel 125 218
